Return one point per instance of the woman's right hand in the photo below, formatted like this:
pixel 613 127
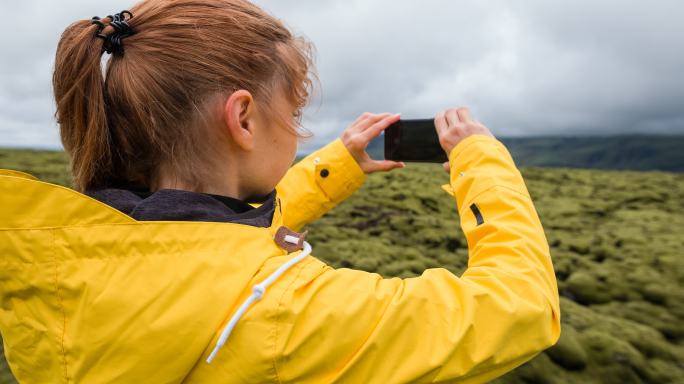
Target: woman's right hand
pixel 454 125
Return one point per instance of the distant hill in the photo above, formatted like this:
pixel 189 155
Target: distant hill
pixel 633 152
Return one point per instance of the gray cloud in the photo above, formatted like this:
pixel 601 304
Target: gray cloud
pixel 524 67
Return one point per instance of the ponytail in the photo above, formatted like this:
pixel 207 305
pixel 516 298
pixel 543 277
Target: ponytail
pixel 78 85
pixel 152 111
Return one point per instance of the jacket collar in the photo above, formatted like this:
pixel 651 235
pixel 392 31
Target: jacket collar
pixel 31 203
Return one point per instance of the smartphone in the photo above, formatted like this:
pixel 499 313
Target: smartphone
pixel 414 141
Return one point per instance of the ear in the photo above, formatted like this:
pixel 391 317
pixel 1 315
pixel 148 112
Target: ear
pixel 239 118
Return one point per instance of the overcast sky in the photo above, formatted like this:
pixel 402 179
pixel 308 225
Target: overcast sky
pixel 524 67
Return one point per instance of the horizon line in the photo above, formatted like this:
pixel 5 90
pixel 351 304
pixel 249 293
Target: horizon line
pixel 535 136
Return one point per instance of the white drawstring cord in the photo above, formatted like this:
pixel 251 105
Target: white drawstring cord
pixel 257 293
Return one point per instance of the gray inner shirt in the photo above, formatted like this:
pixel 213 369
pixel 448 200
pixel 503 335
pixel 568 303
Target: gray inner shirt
pixel 179 205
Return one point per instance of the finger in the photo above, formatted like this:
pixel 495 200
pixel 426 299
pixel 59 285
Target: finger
pixel 441 124
pixel 464 114
pixel 362 116
pixel 368 122
pixel 384 165
pixel 377 128
pixel 446 166
pixel 372 119
pixel 356 125
pixel 452 117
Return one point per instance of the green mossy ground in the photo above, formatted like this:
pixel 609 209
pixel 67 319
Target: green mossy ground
pixel 616 237
pixel 617 241
pixel 51 166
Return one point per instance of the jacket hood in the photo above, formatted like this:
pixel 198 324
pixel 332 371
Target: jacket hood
pixel 84 286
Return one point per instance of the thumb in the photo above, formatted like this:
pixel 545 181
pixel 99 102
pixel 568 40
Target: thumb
pixel 446 166
pixel 384 165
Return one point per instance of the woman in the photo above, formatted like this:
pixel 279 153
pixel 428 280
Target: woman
pixel 178 258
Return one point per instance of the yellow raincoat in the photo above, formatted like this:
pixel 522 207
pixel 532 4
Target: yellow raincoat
pixel 90 295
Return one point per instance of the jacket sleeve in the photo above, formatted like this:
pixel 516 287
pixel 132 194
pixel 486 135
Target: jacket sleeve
pixel 352 326
pixel 317 183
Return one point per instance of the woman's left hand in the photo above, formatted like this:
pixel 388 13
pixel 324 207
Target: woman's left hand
pixel 356 137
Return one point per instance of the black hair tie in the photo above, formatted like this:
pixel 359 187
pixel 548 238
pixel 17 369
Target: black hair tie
pixel 112 42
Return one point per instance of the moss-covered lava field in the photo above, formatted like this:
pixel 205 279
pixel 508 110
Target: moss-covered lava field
pixel 616 238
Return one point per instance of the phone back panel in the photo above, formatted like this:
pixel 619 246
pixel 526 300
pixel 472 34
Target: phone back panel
pixel 414 141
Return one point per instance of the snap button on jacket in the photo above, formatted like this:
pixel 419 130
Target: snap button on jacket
pixel 90 295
